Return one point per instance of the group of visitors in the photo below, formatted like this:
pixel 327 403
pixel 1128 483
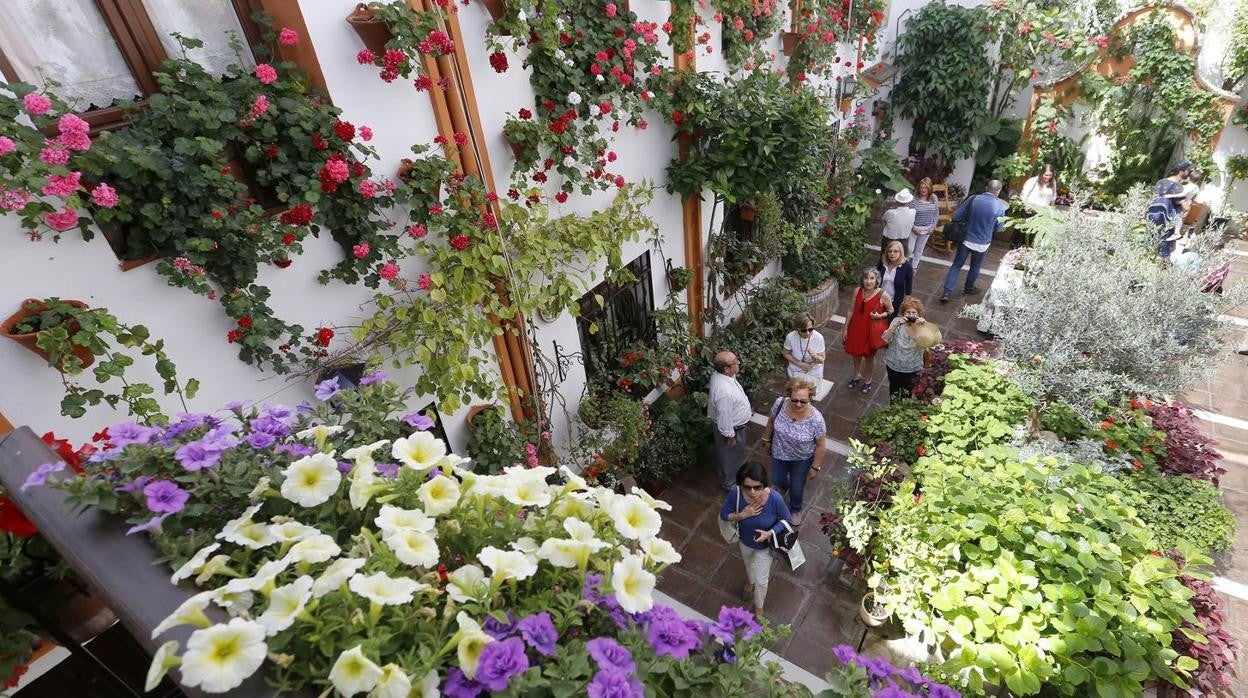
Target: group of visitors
pixel 1173 198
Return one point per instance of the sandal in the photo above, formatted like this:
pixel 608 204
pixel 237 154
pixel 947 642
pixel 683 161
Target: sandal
pixel 854 383
pixel 866 387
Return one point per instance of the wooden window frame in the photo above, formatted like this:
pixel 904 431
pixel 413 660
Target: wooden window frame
pixel 139 43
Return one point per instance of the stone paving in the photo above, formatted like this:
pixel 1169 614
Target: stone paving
pixel 822 610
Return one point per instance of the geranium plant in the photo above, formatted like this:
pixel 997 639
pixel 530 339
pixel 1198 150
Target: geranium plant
pixel 413 34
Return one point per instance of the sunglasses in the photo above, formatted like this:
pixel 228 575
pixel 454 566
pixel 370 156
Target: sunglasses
pixel 753 488
pixel 799 402
pixel 806 330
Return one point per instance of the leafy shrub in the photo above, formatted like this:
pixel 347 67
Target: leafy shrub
pixel 999 557
pixel 1206 639
pixel 680 429
pixel 901 425
pixel 1181 509
pixel 979 407
pixel 1187 451
pixel 494 442
pixel 1128 430
pixel 756 336
pixel 1063 420
pixel 850 525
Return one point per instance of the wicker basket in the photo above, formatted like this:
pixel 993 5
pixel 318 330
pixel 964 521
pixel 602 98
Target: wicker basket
pixel 822 301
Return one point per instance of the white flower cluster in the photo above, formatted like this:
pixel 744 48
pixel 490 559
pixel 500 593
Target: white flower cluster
pixel 302 566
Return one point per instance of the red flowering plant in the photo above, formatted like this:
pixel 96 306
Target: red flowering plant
pixel 413 34
pixel 473 241
pixel 41 146
pixel 746 25
pixel 824 27
pixel 1128 433
pixel 931 380
pixel 590 66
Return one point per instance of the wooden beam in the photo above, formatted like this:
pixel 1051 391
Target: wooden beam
pixel 286 13
pixel 691 211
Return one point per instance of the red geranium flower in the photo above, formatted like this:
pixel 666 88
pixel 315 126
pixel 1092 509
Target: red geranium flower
pixel 245 322
pixel 12 520
pixel 460 242
pixel 345 130
pixel 234 336
pixel 323 335
pixel 498 61
pixel 299 214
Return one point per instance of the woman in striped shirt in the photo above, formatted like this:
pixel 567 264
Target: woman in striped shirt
pixel 925 217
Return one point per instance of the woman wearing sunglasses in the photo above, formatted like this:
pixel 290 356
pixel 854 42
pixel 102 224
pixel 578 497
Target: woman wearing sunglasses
pixel 795 431
pixel 804 351
pixel 757 510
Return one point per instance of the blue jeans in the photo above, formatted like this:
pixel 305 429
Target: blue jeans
pixel 790 476
pixel 959 258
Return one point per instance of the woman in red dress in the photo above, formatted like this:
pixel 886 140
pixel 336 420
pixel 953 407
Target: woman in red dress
pixel 864 328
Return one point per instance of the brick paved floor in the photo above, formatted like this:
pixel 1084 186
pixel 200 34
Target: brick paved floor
pixel 822 610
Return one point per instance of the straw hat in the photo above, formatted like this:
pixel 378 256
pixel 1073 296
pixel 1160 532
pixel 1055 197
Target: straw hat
pixel 903 197
pixel 927 335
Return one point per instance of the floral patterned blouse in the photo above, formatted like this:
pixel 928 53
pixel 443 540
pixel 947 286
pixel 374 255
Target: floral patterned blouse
pixel 794 439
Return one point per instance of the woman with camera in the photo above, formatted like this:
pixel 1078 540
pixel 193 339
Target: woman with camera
pixel 907 337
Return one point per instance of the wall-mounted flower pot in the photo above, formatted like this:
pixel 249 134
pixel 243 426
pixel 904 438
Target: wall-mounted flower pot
pixel 371 30
pixel 406 165
pixel 34 306
pixel 478 409
pixel 517 149
pixel 789 42
pixel 496 8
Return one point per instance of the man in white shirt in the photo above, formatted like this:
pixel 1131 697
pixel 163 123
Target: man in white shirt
pixel 729 410
pixel 898 220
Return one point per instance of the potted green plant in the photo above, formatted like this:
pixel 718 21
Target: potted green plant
pixel 36 318
pixel 871 611
pixel 370 27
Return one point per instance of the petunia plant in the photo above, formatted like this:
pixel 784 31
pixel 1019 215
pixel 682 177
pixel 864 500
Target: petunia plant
pixel 344 574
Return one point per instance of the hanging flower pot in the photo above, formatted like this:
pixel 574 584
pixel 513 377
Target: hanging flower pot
pixel 517 149
pixel 789 42
pixel 872 614
pixel 371 30
pixel 496 8
pixel 24 327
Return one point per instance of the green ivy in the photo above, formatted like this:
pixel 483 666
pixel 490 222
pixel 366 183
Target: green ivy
pixel 1179 508
pixel 979 407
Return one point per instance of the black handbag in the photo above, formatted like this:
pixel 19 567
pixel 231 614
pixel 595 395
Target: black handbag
pixel 955 230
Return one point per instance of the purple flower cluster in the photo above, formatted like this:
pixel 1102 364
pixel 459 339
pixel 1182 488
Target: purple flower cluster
pixel 616 670
pixel 327 389
pixel 206 451
pixel 886 680
pixel 165 497
pixel 500 661
pixel 40 476
pixel 506 657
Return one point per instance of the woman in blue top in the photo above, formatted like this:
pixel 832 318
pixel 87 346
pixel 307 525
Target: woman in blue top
pixel 757 511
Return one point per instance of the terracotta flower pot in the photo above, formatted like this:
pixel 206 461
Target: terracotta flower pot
pixel 789 42
pixel 30 340
pixel 404 175
pixel 371 30
pixel 476 410
pixel 517 149
pixel 496 8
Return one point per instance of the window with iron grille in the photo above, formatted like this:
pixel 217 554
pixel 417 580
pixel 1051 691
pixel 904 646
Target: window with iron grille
pixel 625 318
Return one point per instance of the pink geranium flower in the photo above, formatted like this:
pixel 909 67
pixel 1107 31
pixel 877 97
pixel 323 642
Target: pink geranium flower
pixel 104 196
pixel 36 104
pixel 13 199
pixel 6 146
pixel 361 250
pixel 61 221
pixel 62 185
pixel 424 282
pixel 54 155
pixel 266 74
pixel 388 271
pixel 287 37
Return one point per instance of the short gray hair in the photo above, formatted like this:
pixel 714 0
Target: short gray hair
pixel 995 185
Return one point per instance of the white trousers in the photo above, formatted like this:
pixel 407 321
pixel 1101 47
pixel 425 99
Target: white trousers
pixel 757 570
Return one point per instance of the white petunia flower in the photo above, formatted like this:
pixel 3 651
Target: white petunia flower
pixel 220 658
pixel 285 603
pixel 262 577
pixel 336 575
pixel 439 495
pixel 420 451
pixel 318 548
pixel 262 486
pixel 471 640
pixel 194 564
pixel 162 662
pixel 526 490
pixel 562 552
pixel 190 612
pixel 251 534
pixel 354 673
pixel 634 519
pixel 575 483
pixel 210 569
pixel 392 518
pixel 381 588
pixel 363 455
pixel 320 432
pixel 428 686
pixel 451 463
pixel 364 484
pixel 660 551
pixel 468 583
pixel 292 531
pixel 413 547
pixel 233 525
pixel 234 602
pixel 632 584
pixel 394 683
pixel 525 545
pixel 574 505
pixel 654 503
pixel 311 480
pixel 574 98
pixel 507 564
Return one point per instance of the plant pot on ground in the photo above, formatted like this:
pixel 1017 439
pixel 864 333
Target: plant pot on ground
pixel 871 612
pixel 369 27
pixel 34 318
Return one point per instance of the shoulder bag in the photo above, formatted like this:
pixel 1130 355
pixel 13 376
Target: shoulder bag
pixel 955 230
pixel 786 542
pixel 729 530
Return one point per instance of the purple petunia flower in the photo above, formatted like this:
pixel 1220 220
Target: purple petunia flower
pixel 197 456
pixel 261 439
pixel 459 686
pixel 122 435
pixel 672 637
pixel 589 589
pixel 611 655
pixel 375 377
pixel 278 412
pixel 220 438
pixel 497 629
pixel 845 654
pixel 726 655
pixel 418 421
pixel 912 675
pixel 939 690
pixel 103 456
pixel 150 524
pixel 731 620
pixel 40 476
pixel 345 467
pixel 327 389
pixel 304 407
pixel 269 425
pixel 612 683
pixel 234 405
pixel 295 450
pixel 500 661
pixel 136 486
pixel 165 497
pixel 539 632
pixel 387 470
pixel 892 691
